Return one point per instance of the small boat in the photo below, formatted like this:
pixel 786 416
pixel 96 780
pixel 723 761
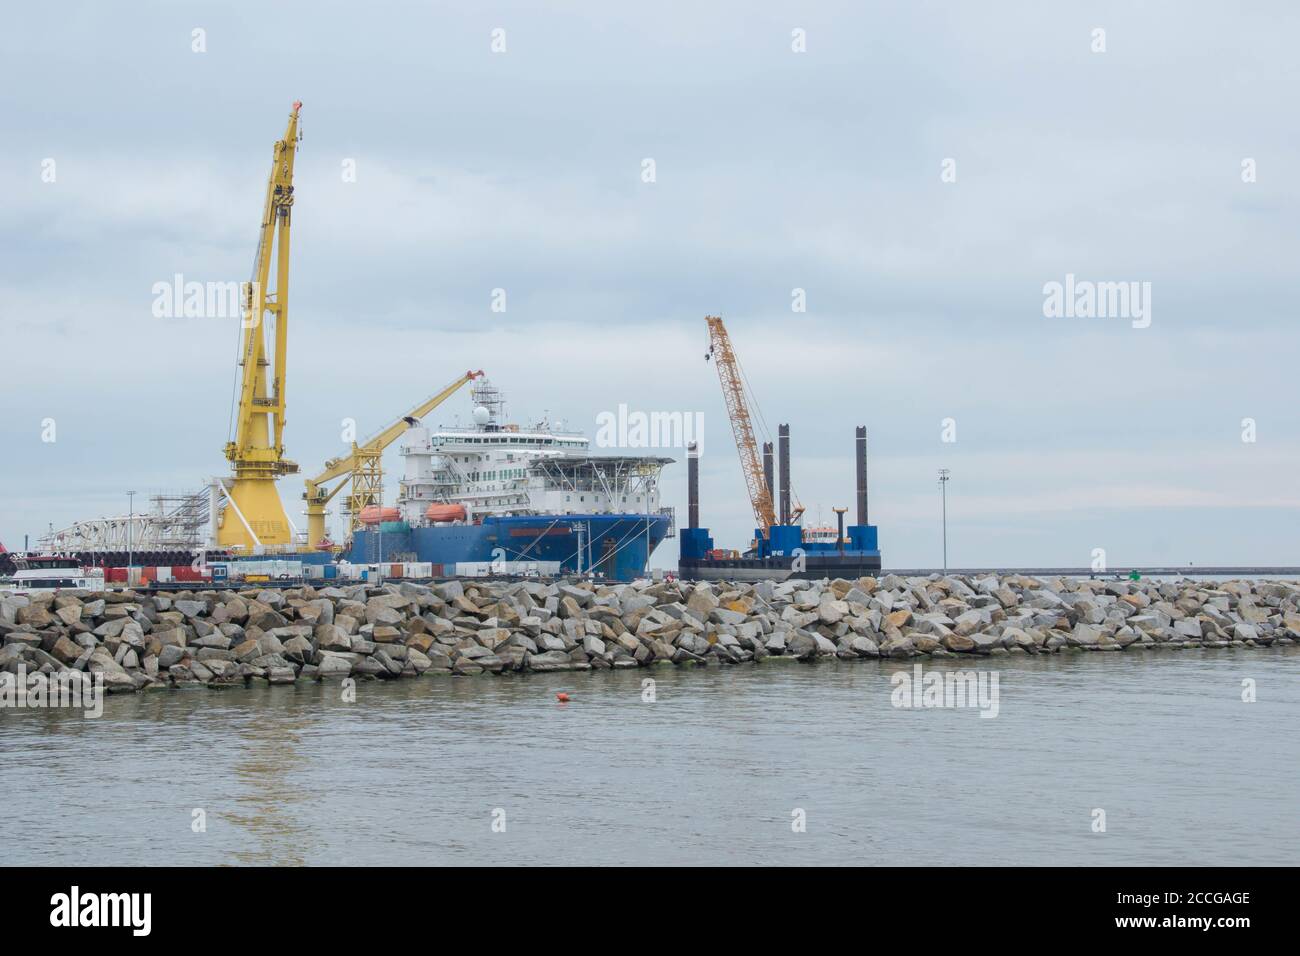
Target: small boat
pixel 64 574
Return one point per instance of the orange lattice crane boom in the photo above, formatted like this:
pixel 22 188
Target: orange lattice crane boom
pixel 733 393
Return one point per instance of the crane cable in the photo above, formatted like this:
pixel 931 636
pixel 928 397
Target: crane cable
pixel 239 337
pixel 634 533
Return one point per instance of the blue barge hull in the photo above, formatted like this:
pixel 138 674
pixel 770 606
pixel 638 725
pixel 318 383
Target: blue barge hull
pixel 781 554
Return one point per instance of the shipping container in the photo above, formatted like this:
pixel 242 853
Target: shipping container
pixel 531 569
pixel 268 568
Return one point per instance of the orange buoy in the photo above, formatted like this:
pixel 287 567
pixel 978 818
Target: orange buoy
pixel 562 697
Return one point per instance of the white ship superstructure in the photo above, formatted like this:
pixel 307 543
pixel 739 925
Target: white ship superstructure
pixel 498 468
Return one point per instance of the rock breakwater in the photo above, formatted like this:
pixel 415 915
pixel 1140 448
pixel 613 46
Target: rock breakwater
pixel 140 640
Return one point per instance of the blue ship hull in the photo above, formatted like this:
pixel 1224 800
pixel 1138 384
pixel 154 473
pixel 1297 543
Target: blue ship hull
pixel 613 545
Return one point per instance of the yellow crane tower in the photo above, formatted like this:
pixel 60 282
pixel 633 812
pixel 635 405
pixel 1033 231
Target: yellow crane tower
pixel 257 452
pixel 733 393
pixel 363 463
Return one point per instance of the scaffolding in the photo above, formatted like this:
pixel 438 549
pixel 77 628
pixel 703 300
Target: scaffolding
pixel 174 521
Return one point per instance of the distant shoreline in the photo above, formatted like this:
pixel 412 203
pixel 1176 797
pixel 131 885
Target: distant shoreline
pixel 1109 573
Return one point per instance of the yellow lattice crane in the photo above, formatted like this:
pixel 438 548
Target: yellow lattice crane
pixel 733 393
pixel 256 452
pixel 364 464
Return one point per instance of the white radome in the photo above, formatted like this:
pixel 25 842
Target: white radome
pixel 481 416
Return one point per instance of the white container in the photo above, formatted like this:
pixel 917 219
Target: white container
pixel 531 569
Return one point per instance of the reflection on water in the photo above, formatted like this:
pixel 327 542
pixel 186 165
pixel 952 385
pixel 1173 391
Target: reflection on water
pixel 271 810
pixel 710 772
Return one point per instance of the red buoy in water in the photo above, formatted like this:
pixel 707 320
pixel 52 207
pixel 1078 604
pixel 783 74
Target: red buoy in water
pixel 562 697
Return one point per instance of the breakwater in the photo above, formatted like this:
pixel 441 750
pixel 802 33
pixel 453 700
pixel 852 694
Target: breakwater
pixel 139 640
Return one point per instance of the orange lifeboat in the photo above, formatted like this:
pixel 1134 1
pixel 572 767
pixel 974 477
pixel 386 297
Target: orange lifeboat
pixel 445 512
pixel 373 514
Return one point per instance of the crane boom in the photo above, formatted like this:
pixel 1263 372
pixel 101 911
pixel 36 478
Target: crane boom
pixel 364 464
pixel 733 393
pixel 256 452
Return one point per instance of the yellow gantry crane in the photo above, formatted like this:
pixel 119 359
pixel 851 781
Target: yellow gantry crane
pixel 257 452
pixel 363 464
pixel 733 393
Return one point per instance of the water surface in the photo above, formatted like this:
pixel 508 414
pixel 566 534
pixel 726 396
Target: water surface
pixel 711 772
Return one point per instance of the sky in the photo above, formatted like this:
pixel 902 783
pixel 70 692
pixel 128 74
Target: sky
pixel 920 171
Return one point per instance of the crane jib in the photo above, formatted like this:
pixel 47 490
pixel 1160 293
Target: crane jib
pixel 733 394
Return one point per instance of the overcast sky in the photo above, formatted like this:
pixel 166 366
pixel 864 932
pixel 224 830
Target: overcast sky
pixel 774 169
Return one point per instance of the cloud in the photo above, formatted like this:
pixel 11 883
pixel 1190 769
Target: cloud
pixel 776 171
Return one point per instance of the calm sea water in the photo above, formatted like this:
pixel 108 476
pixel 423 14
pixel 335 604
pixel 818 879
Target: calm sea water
pixel 711 772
